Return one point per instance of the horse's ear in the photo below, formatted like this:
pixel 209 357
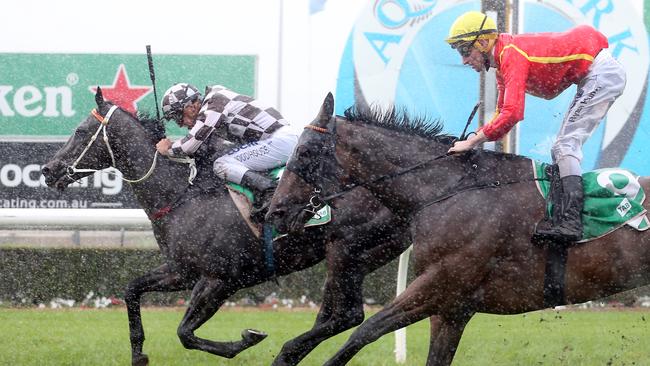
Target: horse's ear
pixel 99 98
pixel 326 110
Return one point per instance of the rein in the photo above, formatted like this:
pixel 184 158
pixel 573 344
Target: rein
pixel 315 201
pixel 103 123
pixel 351 186
pixel 493 184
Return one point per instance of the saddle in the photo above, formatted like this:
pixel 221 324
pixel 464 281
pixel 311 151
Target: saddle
pixel 613 198
pixel 244 199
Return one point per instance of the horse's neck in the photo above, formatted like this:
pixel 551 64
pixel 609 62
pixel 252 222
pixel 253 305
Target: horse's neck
pixel 484 166
pixel 442 175
pixel 134 158
pixel 398 150
pixel 405 150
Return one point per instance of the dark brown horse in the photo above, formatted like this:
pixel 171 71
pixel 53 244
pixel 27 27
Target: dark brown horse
pixel 208 247
pixel 471 215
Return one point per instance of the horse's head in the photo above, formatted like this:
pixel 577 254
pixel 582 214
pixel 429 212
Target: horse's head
pixel 310 172
pixel 82 153
pixel 371 147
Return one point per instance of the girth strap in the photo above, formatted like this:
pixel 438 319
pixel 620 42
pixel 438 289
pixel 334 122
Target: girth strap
pixel 555 269
pixel 267 242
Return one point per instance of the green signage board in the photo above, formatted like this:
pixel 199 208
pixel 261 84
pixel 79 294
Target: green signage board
pixel 49 94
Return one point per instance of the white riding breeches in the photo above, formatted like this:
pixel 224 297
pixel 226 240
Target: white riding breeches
pixel 258 155
pixel 595 95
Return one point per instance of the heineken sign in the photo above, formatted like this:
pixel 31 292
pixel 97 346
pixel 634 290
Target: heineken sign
pixel 44 97
pixel 47 95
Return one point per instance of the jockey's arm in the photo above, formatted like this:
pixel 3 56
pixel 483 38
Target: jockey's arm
pixel 470 143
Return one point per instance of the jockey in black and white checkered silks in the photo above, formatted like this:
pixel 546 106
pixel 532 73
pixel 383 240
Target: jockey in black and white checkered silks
pixel 265 139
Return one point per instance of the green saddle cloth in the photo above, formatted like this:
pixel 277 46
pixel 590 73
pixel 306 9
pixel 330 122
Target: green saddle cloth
pixel 613 198
pixel 321 217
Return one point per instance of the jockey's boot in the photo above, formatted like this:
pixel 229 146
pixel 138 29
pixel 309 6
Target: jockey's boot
pixel 567 214
pixel 263 188
pixel 555 198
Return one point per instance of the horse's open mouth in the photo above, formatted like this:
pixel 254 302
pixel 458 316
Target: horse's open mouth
pixel 59 183
pixel 56 177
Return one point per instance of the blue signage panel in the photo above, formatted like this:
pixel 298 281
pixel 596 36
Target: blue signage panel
pixel 396 53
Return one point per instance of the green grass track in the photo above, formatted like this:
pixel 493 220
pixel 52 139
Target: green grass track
pixel 100 337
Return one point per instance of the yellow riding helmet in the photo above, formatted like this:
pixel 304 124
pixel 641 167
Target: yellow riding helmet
pixel 472 26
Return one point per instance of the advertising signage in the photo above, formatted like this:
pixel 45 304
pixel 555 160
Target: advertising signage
pixel 49 94
pixel 396 53
pixel 22 185
pixel 43 97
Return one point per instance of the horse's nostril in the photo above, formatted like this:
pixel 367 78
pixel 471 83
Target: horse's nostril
pixel 45 170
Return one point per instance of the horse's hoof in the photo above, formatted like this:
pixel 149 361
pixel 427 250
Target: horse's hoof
pixel 252 336
pixel 141 360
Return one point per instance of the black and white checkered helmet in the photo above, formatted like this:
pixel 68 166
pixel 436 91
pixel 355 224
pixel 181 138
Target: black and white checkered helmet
pixel 177 97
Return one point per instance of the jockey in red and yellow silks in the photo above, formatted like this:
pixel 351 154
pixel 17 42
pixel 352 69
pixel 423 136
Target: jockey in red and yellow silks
pixel 544 65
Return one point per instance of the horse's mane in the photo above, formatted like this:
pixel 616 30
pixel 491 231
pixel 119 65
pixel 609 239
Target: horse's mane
pixel 398 119
pixel 155 128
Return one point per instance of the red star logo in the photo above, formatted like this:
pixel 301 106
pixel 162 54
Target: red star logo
pixel 122 92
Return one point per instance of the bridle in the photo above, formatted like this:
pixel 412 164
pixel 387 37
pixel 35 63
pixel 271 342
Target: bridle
pixel 316 202
pixel 103 124
pixel 329 137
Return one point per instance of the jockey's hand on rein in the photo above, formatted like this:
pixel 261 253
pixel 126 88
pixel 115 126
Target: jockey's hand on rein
pixel 461 146
pixel 163 146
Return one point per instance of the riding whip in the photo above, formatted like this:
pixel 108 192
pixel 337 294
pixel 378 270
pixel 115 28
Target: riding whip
pixel 152 74
pixel 469 120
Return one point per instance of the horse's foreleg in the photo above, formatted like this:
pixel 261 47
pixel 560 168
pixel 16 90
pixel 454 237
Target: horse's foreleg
pixel 343 300
pixel 207 297
pixel 445 336
pixel 160 279
pixel 409 307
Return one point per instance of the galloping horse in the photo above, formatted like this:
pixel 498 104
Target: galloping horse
pixel 210 249
pixel 472 217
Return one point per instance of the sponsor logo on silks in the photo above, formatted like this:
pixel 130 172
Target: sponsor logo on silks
pixel 244 146
pixel 396 54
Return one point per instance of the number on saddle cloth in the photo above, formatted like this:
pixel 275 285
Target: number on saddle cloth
pixel 613 198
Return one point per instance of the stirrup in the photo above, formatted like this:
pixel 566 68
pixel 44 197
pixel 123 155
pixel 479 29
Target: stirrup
pixel 554 234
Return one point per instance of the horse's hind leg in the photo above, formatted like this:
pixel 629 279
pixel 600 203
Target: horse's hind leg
pixel 160 279
pixel 207 297
pixel 445 336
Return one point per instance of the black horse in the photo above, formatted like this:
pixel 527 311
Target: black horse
pixel 210 249
pixel 472 217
